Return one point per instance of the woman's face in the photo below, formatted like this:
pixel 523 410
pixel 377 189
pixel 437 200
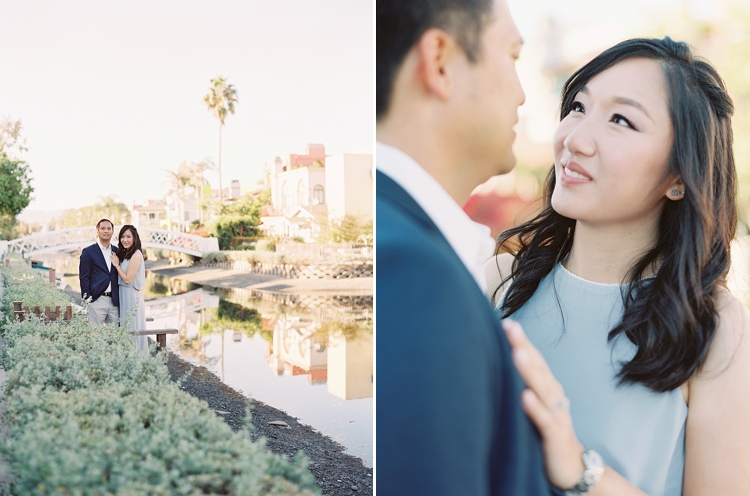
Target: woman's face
pixel 611 150
pixel 126 240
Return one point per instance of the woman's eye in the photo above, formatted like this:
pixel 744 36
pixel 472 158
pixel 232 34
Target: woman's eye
pixel 578 107
pixel 622 121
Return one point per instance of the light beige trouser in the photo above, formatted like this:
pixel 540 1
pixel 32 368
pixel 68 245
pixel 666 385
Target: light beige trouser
pixel 103 311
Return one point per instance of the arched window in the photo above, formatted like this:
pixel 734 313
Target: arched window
pixel 319 194
pixel 301 192
pixel 285 194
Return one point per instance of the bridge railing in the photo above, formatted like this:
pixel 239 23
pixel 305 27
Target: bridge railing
pixel 79 237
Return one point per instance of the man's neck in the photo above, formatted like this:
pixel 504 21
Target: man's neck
pixel 105 244
pixel 430 152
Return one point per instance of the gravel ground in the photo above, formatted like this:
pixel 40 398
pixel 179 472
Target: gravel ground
pixel 336 472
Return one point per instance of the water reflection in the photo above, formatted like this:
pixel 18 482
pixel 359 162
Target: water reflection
pixel 310 355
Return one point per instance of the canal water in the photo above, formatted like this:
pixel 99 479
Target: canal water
pixel 309 355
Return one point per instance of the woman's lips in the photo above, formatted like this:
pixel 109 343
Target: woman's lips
pixel 574 174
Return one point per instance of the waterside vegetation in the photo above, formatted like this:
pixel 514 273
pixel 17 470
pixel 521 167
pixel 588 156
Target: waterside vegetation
pixel 87 414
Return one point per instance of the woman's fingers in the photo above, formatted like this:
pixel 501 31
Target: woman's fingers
pixel 533 368
pixel 537 411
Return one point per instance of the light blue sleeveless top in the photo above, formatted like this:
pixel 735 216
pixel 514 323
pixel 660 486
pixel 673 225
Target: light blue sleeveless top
pixel 638 432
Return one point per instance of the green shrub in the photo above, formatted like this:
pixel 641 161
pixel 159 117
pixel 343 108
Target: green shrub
pixel 214 256
pixel 88 414
pixel 21 283
pixel 230 226
pixel 154 440
pixel 265 245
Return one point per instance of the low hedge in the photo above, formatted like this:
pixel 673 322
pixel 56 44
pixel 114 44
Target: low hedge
pixel 258 256
pixel 86 413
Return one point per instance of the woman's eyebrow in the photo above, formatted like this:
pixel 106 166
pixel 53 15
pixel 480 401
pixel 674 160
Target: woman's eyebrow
pixel 633 103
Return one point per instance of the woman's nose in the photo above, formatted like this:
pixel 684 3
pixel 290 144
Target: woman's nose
pixel 580 139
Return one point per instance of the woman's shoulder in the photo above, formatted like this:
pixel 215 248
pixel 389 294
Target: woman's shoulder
pixel 730 347
pixel 496 270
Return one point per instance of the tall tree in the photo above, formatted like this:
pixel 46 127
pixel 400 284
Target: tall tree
pixel 15 176
pixel 198 180
pixel 221 99
pixel 180 181
pixel 10 135
pixel 15 191
pixel 106 208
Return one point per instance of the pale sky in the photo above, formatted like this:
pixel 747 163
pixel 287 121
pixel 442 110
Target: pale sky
pixel 111 93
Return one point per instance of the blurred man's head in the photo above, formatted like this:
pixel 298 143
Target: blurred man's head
pixel 447 68
pixel 104 230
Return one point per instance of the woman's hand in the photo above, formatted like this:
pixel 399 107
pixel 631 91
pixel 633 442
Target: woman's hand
pixel 546 405
pixel 115 260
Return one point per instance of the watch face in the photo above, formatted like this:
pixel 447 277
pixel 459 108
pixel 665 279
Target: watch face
pixel 594 467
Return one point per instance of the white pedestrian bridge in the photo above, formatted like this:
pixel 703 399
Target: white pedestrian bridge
pixel 81 237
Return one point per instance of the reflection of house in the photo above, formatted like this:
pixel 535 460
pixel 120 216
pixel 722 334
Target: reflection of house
pixel 313 186
pixel 293 351
pixel 153 214
pixel 345 364
pixel 350 367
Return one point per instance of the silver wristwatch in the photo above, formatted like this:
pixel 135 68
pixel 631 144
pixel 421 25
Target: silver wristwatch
pixel 592 473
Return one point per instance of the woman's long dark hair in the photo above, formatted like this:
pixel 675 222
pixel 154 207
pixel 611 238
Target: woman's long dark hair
pixel 672 318
pixel 122 253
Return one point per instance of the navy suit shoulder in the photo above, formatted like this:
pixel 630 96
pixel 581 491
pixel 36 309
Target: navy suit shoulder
pixel 94 276
pixel 449 419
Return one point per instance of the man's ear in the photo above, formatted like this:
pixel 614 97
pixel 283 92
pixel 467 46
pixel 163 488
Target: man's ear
pixel 435 51
pixel 675 189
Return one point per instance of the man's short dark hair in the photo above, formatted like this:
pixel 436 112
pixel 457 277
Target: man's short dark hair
pixel 105 220
pixel 400 24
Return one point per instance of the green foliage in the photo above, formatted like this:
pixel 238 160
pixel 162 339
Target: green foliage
pixel 265 245
pixel 106 208
pixel 348 229
pixel 10 136
pixel 227 227
pixel 15 191
pixel 233 316
pixel 221 98
pixel 214 257
pixel 21 283
pixel 259 255
pixel 89 414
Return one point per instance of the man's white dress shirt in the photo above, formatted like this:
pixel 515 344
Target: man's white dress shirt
pixel 107 253
pixel 470 240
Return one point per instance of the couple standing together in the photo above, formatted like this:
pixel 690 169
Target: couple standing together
pixel 622 365
pixel 112 278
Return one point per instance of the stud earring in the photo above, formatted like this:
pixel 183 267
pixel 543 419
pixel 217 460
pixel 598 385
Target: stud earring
pixel 677 192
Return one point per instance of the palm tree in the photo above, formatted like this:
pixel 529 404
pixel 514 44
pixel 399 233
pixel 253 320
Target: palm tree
pixel 197 180
pixel 179 182
pixel 221 99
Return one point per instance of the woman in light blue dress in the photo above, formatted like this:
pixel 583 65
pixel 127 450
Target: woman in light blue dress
pixel 636 356
pixel 131 272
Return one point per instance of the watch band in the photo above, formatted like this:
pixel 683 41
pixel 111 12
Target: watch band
pixel 594 468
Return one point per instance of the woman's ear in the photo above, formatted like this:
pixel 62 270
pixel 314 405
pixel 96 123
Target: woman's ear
pixel 676 189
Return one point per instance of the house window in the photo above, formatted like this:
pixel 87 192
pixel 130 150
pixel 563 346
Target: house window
pixel 319 194
pixel 151 216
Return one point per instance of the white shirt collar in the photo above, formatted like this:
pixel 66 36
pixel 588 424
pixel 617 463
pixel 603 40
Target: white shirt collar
pixel 470 240
pixel 106 252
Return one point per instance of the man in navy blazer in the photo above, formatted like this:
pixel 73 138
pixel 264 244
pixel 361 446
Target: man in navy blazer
pixel 449 418
pixel 99 277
